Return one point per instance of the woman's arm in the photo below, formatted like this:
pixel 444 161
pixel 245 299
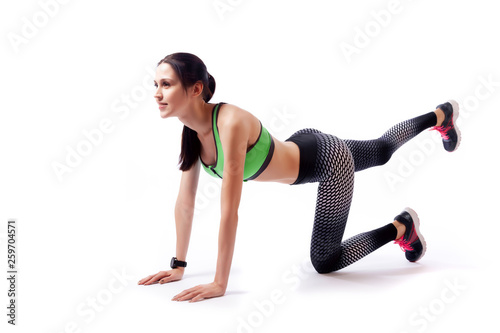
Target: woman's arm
pixel 184 211
pixel 234 137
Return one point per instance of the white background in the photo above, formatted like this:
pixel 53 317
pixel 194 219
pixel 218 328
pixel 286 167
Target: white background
pixel 112 214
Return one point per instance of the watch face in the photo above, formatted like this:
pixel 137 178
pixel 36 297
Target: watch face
pixel 172 263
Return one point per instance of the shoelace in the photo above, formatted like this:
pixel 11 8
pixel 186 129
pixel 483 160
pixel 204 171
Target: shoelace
pixel 404 244
pixel 443 130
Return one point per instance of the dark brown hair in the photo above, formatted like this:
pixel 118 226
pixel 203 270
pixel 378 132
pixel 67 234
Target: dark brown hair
pixel 190 69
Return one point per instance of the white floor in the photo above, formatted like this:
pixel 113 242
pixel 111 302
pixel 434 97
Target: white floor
pixel 75 96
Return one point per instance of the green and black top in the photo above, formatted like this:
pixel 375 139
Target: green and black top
pixel 258 155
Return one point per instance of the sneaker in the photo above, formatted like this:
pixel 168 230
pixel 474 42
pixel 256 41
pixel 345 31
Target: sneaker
pixel 448 129
pixel 412 242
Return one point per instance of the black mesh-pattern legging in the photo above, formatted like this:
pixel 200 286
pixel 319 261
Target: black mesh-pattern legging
pixel 334 166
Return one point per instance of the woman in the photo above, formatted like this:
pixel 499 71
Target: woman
pixel 230 143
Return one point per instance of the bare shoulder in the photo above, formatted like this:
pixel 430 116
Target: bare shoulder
pixel 230 114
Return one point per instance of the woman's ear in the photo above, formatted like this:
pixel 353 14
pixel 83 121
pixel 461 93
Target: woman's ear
pixel 197 89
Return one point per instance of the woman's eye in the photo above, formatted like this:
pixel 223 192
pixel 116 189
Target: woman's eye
pixel 165 84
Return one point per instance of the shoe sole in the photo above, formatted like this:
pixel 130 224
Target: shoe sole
pixel 416 222
pixel 454 105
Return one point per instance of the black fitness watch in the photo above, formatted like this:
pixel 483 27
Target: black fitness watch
pixel 174 263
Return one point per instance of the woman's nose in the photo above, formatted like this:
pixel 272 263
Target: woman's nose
pixel 157 94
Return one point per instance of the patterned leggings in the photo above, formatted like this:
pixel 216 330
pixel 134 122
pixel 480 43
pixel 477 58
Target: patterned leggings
pixel 332 162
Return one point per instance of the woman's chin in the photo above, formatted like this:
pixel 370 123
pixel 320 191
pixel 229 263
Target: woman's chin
pixel 164 114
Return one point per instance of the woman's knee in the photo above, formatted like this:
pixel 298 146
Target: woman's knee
pixel 384 151
pixel 326 265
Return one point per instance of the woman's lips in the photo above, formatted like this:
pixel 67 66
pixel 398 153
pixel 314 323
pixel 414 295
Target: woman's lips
pixel 161 106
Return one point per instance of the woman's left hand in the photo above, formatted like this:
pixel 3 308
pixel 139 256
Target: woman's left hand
pixel 200 292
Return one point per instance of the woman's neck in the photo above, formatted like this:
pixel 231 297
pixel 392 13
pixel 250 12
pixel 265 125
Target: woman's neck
pixel 199 118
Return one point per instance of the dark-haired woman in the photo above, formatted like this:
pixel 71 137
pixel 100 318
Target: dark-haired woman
pixel 231 144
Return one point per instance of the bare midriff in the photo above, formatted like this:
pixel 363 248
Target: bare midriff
pixel 284 165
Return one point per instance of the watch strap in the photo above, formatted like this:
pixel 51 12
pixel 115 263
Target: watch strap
pixel 177 263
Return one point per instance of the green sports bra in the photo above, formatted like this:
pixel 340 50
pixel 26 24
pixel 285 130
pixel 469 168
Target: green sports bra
pixel 258 155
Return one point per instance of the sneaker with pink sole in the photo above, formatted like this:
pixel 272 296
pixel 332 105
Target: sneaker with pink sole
pixel 412 242
pixel 448 129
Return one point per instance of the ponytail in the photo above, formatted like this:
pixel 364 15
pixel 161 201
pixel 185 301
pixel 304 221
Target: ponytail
pixel 190 149
pixel 210 88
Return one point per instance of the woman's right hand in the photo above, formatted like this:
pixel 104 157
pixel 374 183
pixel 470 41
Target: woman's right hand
pixel 163 277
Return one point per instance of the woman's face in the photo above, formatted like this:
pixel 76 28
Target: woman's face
pixel 170 94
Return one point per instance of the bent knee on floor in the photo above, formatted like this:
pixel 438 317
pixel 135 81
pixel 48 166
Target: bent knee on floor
pixel 326 266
